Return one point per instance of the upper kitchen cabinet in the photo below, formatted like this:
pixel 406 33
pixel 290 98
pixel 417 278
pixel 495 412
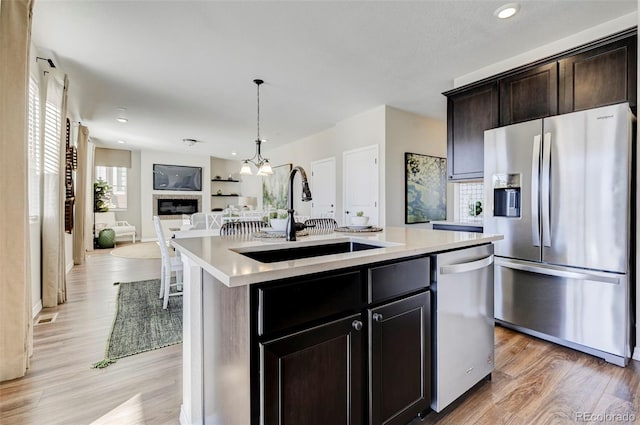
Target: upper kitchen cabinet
pixel 600 76
pixel 600 73
pixel 529 95
pixel 469 114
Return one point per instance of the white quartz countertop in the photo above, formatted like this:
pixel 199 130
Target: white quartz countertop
pixel 219 256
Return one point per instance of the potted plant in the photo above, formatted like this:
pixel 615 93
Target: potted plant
pixel 280 222
pixel 101 196
pixel 359 219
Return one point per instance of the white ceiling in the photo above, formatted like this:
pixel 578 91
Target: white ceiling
pixel 185 69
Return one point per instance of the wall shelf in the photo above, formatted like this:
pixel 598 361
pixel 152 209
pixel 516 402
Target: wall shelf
pixel 225 180
pixel 225 194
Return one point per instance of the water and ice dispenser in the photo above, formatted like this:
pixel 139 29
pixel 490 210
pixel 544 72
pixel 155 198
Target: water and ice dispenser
pixel 506 195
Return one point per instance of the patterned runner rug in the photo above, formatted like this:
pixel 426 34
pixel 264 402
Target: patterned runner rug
pixel 140 323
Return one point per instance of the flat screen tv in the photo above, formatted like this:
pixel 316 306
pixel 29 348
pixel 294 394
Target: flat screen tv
pixel 177 177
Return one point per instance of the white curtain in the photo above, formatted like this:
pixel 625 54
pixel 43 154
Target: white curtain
pixel 88 212
pixel 16 332
pixel 54 286
pixel 82 196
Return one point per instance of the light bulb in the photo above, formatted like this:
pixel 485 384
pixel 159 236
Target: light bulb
pixel 265 168
pixel 246 168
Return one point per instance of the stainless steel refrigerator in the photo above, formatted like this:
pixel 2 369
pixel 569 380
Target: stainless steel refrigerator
pixel 559 190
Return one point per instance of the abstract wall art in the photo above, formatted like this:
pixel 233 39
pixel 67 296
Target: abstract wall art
pixel 425 188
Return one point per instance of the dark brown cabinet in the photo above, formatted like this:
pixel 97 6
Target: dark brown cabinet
pixel 601 76
pixel 529 95
pixel 314 376
pixel 400 365
pixel 317 336
pixel 469 114
pixel 601 73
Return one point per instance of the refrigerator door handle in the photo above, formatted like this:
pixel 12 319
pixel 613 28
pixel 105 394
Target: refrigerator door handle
pixel 535 196
pixel 545 192
pixel 556 272
pixel 467 267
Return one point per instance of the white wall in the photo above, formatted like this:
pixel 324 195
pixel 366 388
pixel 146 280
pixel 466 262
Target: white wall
pixel 364 129
pixel 393 130
pixel 408 132
pixel 147 159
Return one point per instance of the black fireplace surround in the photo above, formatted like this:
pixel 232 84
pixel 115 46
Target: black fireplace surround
pixel 177 206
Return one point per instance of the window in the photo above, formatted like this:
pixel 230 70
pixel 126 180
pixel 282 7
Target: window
pixel 52 140
pixel 34 149
pixel 117 179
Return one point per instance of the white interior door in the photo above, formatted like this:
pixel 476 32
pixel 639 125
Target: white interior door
pixel 360 183
pixel 323 188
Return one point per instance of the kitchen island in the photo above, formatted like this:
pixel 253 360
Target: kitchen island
pixel 249 324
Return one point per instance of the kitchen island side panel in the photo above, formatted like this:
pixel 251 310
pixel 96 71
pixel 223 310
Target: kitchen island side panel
pixel 226 344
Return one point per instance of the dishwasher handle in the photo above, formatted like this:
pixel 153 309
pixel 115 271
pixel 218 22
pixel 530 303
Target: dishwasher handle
pixel 467 267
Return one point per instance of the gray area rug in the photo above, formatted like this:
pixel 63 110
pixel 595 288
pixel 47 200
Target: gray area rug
pixel 140 323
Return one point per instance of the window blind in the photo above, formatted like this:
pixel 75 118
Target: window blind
pixel 34 149
pixel 112 158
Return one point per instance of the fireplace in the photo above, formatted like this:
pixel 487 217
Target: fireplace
pixel 176 205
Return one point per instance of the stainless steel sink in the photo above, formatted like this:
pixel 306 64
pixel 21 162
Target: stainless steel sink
pixel 274 254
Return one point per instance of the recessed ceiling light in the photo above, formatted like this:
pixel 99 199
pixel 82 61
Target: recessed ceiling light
pixel 122 142
pixel 507 10
pixel 234 153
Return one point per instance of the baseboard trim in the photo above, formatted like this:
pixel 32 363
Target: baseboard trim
pixel 183 416
pixel 636 353
pixel 69 267
pixel 36 309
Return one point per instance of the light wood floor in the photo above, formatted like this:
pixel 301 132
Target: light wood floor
pixel 535 382
pixel 62 388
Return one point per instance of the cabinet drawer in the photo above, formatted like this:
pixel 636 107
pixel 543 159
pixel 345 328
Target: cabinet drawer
pixel 395 279
pixel 282 306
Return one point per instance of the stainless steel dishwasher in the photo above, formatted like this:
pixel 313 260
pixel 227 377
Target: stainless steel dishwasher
pixel 462 322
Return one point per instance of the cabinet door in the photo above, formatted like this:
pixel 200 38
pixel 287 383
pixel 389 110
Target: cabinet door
pixel 314 377
pixel 599 77
pixel 529 95
pixel 469 114
pixel 399 363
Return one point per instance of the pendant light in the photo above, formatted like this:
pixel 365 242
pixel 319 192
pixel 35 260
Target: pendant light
pixel 264 168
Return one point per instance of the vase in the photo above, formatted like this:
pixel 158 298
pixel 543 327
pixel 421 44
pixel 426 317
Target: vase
pixel 279 224
pixel 359 220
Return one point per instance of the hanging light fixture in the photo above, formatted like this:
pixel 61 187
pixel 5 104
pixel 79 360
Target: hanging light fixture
pixel 264 168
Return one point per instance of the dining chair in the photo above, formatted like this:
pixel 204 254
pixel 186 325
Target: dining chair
pixel 169 265
pixel 321 223
pixel 199 220
pixel 241 227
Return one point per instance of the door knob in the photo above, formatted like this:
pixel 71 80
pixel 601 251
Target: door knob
pixel 357 325
pixel 377 317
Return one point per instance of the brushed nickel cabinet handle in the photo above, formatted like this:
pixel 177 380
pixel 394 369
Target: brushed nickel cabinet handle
pixel 357 325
